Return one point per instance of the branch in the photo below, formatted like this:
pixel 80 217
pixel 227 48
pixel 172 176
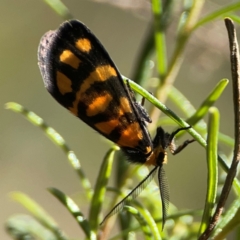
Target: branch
pixel 234 57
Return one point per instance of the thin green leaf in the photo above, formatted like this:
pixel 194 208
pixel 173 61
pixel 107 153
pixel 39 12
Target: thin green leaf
pixel 208 102
pixel 235 18
pixel 187 108
pixel 57 139
pixel 75 211
pixel 143 224
pixel 148 220
pixel 226 139
pixel 159 35
pixel 212 163
pixel 144 65
pixel 181 213
pixel 39 213
pixel 203 109
pixel 219 13
pixel 22 227
pixel 100 188
pixel 177 57
pixel 174 216
pixel 124 233
pixel 60 8
pixel 181 102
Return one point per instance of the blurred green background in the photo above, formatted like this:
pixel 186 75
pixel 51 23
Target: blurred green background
pixel 30 162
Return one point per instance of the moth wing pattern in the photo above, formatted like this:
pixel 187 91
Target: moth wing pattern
pixel 78 72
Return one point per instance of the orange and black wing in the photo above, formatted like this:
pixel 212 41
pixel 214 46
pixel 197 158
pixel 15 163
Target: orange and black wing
pixel 78 72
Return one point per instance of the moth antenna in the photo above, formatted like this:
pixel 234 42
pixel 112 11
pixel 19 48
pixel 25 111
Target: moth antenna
pixel 132 195
pixel 164 193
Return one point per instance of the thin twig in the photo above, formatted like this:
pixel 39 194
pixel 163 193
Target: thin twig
pixel 235 67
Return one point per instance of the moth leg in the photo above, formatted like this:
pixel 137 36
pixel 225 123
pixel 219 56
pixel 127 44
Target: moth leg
pixel 173 148
pixel 143 101
pixel 141 110
pixel 130 91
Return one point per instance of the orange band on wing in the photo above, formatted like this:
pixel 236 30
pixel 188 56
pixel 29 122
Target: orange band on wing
pixel 98 105
pixel 64 84
pixel 131 136
pixel 83 44
pixel 107 127
pixel 69 58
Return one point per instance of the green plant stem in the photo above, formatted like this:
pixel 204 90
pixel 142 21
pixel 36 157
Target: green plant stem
pixel 212 163
pixel 100 188
pixel 57 139
pixel 176 60
pixel 75 211
pixel 159 37
pixel 216 14
pixel 39 214
pixel 60 8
